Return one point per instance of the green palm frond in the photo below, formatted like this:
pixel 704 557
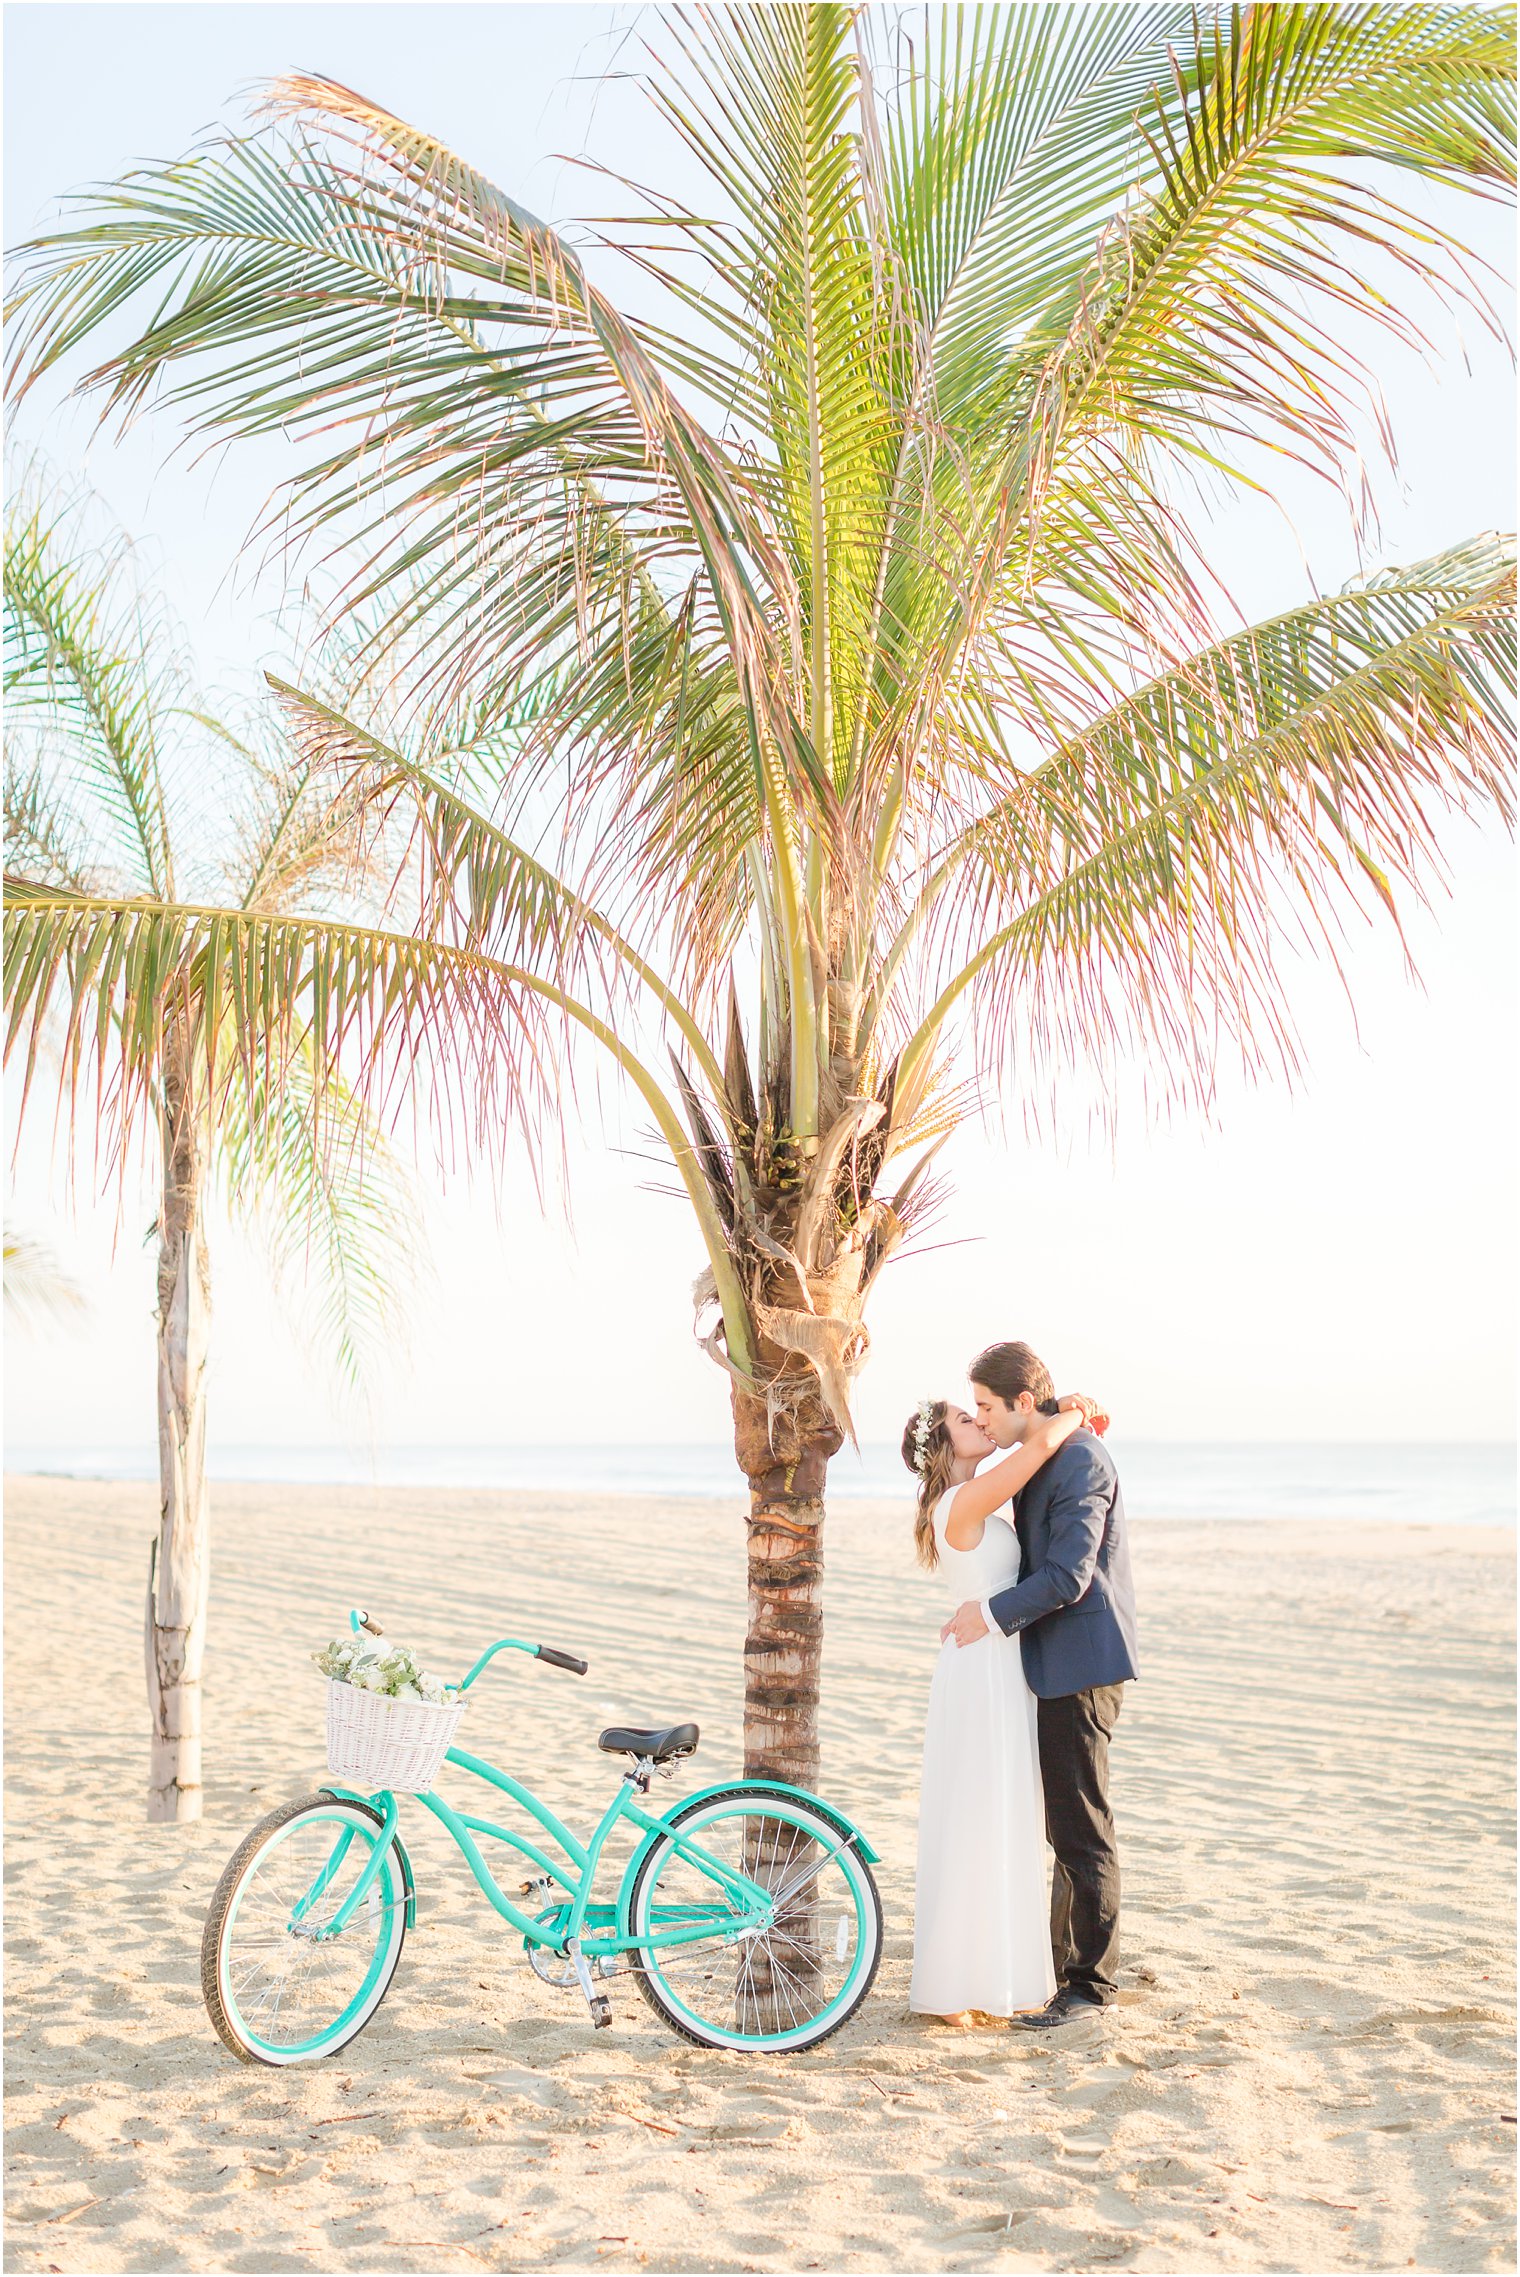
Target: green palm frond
pixel 1203 322
pixel 357 279
pixel 92 676
pixel 671 789
pixel 477 884
pixel 1010 138
pixel 484 1041
pixel 42 835
pixel 1137 885
pixel 111 971
pixel 1010 143
pixel 1206 324
pixel 779 92
pixel 102 724
pixel 301 844
pixel 304 1163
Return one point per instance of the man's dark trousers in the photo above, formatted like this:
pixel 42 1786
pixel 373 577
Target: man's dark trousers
pixel 1079 1826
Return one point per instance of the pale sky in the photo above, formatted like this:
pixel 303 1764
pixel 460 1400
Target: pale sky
pixel 1335 1262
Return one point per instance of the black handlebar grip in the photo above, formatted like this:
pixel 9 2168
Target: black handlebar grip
pixel 562 1660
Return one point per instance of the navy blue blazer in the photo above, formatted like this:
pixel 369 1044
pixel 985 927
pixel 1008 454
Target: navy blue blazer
pixel 1074 1609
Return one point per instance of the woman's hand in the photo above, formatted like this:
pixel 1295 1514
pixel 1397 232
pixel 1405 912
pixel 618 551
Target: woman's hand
pixel 1094 1413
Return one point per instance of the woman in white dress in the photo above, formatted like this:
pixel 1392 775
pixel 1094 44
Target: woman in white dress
pixel 981 1938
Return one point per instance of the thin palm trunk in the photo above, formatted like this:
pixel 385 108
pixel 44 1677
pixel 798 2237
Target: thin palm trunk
pixel 179 1574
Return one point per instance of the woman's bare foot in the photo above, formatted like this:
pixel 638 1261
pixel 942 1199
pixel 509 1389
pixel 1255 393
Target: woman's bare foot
pixel 957 2022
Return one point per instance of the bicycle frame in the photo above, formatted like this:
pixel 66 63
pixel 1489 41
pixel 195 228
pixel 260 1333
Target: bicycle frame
pixel 601 1930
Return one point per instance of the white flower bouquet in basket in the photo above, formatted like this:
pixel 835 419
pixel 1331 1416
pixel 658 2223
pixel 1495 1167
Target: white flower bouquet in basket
pixel 389 1723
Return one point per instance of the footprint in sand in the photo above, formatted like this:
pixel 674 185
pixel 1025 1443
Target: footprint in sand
pixel 1082 2150
pixel 1170 2172
pixel 773 2129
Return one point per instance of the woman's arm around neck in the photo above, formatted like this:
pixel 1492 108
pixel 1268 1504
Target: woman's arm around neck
pixel 976 1498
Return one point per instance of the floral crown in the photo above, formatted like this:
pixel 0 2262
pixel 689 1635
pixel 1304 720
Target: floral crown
pixel 923 1425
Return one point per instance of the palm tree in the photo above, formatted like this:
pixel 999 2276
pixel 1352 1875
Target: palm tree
pixel 110 751
pixel 882 713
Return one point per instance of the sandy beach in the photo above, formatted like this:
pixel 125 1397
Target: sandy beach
pixel 1310 2068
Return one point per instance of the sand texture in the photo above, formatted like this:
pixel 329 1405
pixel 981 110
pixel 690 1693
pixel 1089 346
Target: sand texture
pixel 1310 2068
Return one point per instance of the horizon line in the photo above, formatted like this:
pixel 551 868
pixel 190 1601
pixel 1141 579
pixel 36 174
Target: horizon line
pixel 686 1446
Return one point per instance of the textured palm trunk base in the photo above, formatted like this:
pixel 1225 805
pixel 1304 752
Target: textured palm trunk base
pixel 180 1572
pixel 783 1646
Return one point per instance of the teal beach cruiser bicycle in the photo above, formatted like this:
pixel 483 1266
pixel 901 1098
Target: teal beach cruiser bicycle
pixel 747 1915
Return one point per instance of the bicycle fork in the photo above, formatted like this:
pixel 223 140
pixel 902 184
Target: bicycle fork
pixel 362 1887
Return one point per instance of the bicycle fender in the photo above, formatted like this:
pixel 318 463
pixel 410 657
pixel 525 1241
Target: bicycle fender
pixel 355 1795
pixel 829 1811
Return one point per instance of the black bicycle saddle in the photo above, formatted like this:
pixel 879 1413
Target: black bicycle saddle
pixel 658 1746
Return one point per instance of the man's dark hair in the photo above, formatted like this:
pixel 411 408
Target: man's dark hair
pixel 1008 1369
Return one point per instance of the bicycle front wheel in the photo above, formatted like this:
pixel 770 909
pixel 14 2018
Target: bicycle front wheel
pixel 784 1987
pixel 277 1991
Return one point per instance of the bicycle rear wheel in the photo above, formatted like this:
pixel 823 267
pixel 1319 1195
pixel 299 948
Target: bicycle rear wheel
pixel 276 1991
pixel 785 1987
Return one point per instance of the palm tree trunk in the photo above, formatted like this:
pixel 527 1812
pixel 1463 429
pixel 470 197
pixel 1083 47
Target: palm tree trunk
pixel 179 1575
pixel 786 1464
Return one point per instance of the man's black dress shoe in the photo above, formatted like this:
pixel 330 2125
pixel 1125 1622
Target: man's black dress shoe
pixel 1065 2008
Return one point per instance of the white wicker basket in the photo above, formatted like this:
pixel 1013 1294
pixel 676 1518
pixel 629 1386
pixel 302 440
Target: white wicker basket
pixel 384 1742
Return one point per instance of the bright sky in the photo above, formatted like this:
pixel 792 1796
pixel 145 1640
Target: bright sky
pixel 1333 1263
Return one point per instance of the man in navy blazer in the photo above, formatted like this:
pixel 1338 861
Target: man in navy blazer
pixel 1073 1611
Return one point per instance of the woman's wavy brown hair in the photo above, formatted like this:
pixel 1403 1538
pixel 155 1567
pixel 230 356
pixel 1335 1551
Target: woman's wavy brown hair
pixel 931 1467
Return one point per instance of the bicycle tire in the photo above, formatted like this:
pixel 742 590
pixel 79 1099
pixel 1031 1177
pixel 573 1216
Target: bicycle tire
pixel 221 2003
pixel 767 1804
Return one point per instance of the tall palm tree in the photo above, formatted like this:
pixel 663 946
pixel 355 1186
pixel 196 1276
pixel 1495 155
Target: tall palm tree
pixel 883 706
pixel 110 752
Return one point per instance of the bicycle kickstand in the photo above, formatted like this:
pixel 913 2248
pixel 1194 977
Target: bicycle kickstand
pixel 598 2003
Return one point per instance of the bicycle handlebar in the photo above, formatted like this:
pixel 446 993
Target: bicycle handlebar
pixel 359 1620
pixel 536 1651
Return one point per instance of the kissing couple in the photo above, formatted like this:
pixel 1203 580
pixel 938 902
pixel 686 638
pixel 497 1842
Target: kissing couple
pixel 1025 1695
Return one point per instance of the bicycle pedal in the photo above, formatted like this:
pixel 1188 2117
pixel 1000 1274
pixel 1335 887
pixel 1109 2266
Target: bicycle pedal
pixel 601 2011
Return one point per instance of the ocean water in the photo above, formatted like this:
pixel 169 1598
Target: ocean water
pixel 1424 1484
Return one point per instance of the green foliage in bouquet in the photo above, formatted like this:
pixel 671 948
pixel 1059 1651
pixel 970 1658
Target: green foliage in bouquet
pixel 390 1670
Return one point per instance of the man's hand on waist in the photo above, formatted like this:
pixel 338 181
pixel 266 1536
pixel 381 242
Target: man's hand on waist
pixel 967 1625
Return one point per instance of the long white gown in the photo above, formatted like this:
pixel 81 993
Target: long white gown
pixel 982 1922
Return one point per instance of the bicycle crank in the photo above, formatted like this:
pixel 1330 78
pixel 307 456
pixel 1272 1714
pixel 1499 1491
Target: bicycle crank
pixel 598 2003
